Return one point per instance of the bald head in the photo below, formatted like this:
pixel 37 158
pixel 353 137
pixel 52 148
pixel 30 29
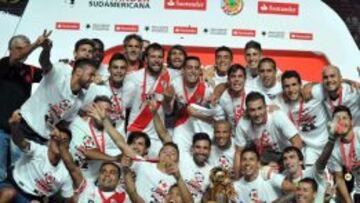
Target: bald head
pixel 331 77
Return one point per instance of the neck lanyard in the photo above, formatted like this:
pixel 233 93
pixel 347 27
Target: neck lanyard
pixel 93 134
pixel 143 93
pixel 187 97
pixel 332 106
pixel 262 138
pixel 348 162
pixel 116 99
pixel 301 110
pixel 238 112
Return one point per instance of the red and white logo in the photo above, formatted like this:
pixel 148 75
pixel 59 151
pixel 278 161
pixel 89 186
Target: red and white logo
pixel 278 8
pixel 126 28
pixel 185 30
pixel 301 36
pixel 185 4
pixel 67 26
pixel 243 33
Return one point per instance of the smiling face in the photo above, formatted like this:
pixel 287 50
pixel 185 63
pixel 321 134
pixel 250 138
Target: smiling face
pixel 252 57
pixel 331 79
pixel 305 193
pixel 133 50
pixel 291 162
pixel 249 165
pixel 256 110
pixel 177 58
pixel 236 81
pixel 201 151
pixel 291 88
pixel 191 72
pixel 117 70
pixel 155 59
pixel 222 133
pixel 267 73
pixel 223 60
pixel 109 177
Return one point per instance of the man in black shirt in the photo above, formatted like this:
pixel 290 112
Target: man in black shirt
pixel 16 79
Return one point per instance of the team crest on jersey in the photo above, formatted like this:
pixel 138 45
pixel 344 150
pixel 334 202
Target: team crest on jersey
pixel 254 196
pixel 194 185
pixel 57 111
pixel 159 192
pixel 232 7
pixel 224 162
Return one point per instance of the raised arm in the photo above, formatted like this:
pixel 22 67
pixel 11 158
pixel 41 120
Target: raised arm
pixel 99 114
pixel 17 134
pixel 44 58
pixel 131 187
pixel 158 123
pixel 296 141
pixel 74 170
pixel 18 56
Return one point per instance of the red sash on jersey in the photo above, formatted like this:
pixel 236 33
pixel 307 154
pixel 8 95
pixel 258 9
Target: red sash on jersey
pixel 145 116
pixel 116 197
pixel 197 97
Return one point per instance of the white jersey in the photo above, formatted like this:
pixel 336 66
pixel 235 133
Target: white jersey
pixel 152 184
pixel 234 108
pixel 103 71
pixel 350 97
pixel 259 190
pixel 185 126
pixel 223 158
pixel 83 137
pixel 114 94
pixel 337 161
pixel 91 193
pixel 322 179
pixel 195 177
pixel 52 101
pixel 250 80
pixel 35 175
pixel 312 125
pixel 275 134
pixel 271 92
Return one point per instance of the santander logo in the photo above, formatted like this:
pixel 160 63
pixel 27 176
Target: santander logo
pixel 276 8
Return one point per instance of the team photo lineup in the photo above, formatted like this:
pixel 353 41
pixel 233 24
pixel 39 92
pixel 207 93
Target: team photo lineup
pixel 153 125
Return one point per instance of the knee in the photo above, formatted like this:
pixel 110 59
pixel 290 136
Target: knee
pixel 7 194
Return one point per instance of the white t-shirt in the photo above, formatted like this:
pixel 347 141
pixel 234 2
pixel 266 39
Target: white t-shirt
pixel 337 162
pixel 222 158
pixel 152 184
pixel 274 134
pixel 271 92
pixel 35 175
pixel 91 193
pixel 184 132
pixel 259 190
pixel 230 105
pixel 195 177
pixel 350 98
pixel 114 94
pixel 320 178
pixel 83 138
pixel 52 101
pixel 313 121
pixel 103 71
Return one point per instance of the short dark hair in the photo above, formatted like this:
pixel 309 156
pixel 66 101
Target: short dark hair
pixel 201 136
pixel 154 46
pixel 111 163
pixel 102 98
pixel 63 126
pixel 268 60
pixel 82 42
pixel 189 58
pixel 136 135
pixel 224 48
pixel 83 62
pixel 253 44
pixel 293 149
pixel 234 68
pixel 253 96
pixel 130 37
pixel 342 108
pixel 310 181
pixel 175 47
pixel 290 74
pixel 98 41
pixel 173 145
pixel 251 149
pixel 117 56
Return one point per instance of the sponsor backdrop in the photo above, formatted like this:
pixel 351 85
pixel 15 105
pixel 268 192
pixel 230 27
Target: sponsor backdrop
pixel 300 34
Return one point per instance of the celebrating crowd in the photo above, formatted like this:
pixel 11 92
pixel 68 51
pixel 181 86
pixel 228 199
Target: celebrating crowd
pixel 146 129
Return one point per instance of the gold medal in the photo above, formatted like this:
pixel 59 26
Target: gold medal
pixel 348 177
